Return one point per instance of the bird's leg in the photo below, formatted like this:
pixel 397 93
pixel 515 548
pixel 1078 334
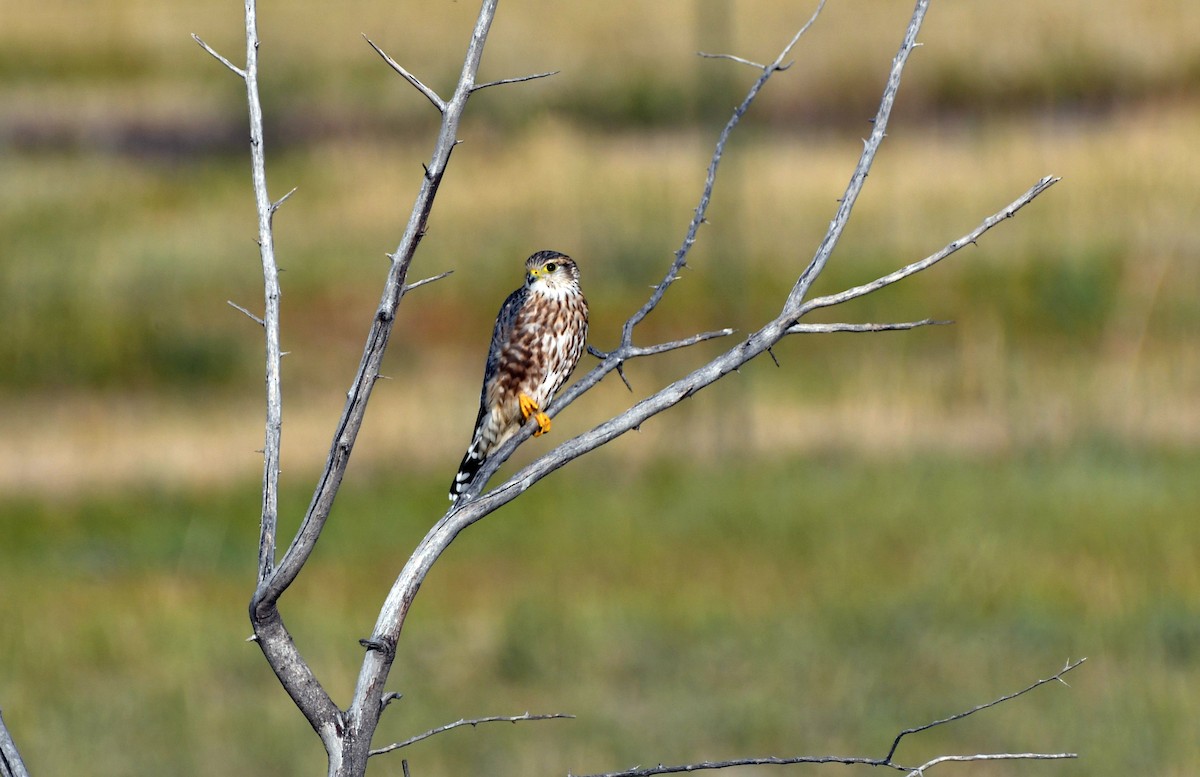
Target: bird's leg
pixel 530 408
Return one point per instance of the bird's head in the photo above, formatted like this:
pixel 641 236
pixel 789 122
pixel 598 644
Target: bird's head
pixel 551 272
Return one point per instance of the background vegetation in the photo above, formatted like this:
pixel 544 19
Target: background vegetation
pixel 882 531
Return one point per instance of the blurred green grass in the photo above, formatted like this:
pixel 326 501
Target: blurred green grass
pixel 804 605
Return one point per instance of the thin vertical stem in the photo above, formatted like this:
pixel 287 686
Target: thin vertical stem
pixel 271 294
pixel 272 635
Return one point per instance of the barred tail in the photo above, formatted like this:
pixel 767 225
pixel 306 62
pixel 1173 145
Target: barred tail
pixel 471 463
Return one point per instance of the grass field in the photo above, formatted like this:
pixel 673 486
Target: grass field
pixel 804 559
pixel 806 605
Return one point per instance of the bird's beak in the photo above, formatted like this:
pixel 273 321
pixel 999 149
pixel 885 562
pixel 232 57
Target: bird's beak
pixel 532 276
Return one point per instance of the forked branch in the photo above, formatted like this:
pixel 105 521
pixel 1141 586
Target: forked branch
pixel 1056 677
pixel 759 342
pixel 337 730
pixel 971 238
pixel 886 762
pixel 473 505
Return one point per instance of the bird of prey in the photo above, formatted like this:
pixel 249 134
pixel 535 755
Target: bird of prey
pixel 540 333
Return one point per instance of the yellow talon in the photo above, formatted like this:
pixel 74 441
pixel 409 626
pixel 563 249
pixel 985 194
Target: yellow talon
pixel 530 408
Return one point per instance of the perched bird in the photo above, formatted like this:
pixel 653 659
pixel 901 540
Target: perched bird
pixel 540 334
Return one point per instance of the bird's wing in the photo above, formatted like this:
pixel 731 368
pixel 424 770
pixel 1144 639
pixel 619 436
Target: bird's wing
pixel 501 334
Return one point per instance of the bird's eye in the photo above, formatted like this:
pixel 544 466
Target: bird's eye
pixel 551 267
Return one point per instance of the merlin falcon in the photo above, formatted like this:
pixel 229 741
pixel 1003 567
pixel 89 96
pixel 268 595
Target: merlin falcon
pixel 540 334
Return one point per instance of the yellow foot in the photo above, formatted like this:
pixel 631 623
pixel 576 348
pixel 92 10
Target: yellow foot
pixel 530 408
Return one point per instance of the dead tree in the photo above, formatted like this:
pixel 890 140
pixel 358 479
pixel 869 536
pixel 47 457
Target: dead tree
pixel 347 733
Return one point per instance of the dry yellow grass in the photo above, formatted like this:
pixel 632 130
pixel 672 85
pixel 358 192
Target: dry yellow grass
pixel 987 384
pixel 1008 374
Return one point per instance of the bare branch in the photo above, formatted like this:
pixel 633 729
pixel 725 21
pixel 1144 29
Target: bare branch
pixel 241 73
pixel 431 95
pixel 252 317
pixel 859 176
pixel 418 284
pixel 626 352
pixel 470 722
pixel 674 345
pixel 1057 676
pixel 625 380
pixel 796 329
pixel 271 294
pixel 517 80
pixel 275 205
pixel 970 238
pixel 920 770
pixel 796 38
pixel 698 218
pixel 650 771
pixel 272 636
pixel 733 58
